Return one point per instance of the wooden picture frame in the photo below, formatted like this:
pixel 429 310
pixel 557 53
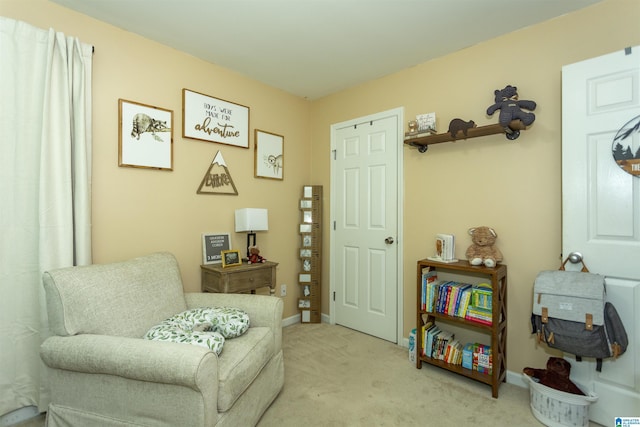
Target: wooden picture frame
pixel 305 253
pixel 212 246
pixel 268 155
pixel 304 303
pixel 305 228
pixel 307 240
pixel 230 258
pixel 210 119
pixel 145 136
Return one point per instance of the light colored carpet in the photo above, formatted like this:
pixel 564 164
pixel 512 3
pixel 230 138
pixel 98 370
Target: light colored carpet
pixel 335 376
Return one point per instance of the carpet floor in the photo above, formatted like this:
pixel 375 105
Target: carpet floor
pixel 335 376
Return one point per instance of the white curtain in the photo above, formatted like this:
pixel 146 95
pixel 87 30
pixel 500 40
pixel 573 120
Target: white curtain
pixel 45 191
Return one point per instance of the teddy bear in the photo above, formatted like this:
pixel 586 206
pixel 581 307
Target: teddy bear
pixel 555 376
pixel 254 255
pixel 506 100
pixel 482 250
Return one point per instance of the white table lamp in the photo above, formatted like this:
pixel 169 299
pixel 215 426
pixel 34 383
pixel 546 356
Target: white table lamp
pixel 250 220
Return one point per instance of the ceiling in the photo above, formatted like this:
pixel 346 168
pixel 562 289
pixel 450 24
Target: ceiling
pixel 313 48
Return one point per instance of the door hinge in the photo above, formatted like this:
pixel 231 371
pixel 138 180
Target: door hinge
pixel 334 154
pixel 334 226
pixel 334 296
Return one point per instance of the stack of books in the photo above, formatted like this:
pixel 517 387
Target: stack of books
pixel 429 277
pixel 482 359
pixel 441 345
pixel 446 297
pixel 477 357
pixel 480 309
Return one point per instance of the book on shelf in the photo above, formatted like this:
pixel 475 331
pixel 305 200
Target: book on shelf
pixel 479 315
pixel 429 276
pixel 445 249
pixel 482 359
pixel 427 343
pixel 482 296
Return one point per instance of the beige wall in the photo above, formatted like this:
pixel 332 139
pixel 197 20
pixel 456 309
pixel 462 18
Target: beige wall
pixel 137 211
pixel 511 186
pixel 514 187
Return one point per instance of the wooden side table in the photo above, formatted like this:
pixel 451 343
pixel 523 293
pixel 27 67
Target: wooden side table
pixel 239 278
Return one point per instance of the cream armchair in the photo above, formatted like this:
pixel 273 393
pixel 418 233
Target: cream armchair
pixel 102 373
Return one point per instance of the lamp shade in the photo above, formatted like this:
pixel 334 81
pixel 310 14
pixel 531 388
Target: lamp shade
pixel 252 219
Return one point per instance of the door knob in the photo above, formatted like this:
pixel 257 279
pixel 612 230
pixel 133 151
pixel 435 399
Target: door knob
pixel 388 240
pixel 575 257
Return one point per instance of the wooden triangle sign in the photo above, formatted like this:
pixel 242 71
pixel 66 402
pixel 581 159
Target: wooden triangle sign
pixel 217 180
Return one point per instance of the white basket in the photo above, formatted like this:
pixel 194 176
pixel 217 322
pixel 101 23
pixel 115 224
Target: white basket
pixel 555 408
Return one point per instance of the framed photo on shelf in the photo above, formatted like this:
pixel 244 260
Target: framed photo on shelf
pixel 307 217
pixel 212 246
pixel 307 240
pixel 304 303
pixel 230 258
pixel 145 136
pixel 307 192
pixel 306 204
pixel 304 277
pixel 305 228
pixel 269 155
pixel 214 120
pixel 305 253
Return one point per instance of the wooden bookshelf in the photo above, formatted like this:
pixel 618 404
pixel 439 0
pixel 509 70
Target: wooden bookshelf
pixel 496 332
pixel 423 142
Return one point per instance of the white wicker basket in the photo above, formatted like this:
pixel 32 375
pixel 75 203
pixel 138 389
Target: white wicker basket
pixel 555 408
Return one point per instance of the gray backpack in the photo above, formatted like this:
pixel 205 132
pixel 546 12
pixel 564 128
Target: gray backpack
pixel 570 314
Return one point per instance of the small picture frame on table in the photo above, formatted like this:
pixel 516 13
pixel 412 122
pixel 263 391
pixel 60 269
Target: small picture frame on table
pixel 230 258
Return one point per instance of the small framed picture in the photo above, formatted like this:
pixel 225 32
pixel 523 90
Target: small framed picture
pixel 307 216
pixel 145 137
pixel 304 303
pixel 305 253
pixel 305 316
pixel 305 228
pixel 306 240
pixel 212 246
pixel 306 204
pixel 306 290
pixel 304 278
pixel 306 265
pixel 269 155
pixel 307 191
pixel 230 258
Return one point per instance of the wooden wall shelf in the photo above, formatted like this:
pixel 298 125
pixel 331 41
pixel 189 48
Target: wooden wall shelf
pixel 422 143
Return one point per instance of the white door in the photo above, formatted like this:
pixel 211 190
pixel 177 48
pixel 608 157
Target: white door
pixel 601 211
pixel 365 201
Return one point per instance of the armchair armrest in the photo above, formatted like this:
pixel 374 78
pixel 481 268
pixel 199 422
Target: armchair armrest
pixel 263 310
pixel 136 359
